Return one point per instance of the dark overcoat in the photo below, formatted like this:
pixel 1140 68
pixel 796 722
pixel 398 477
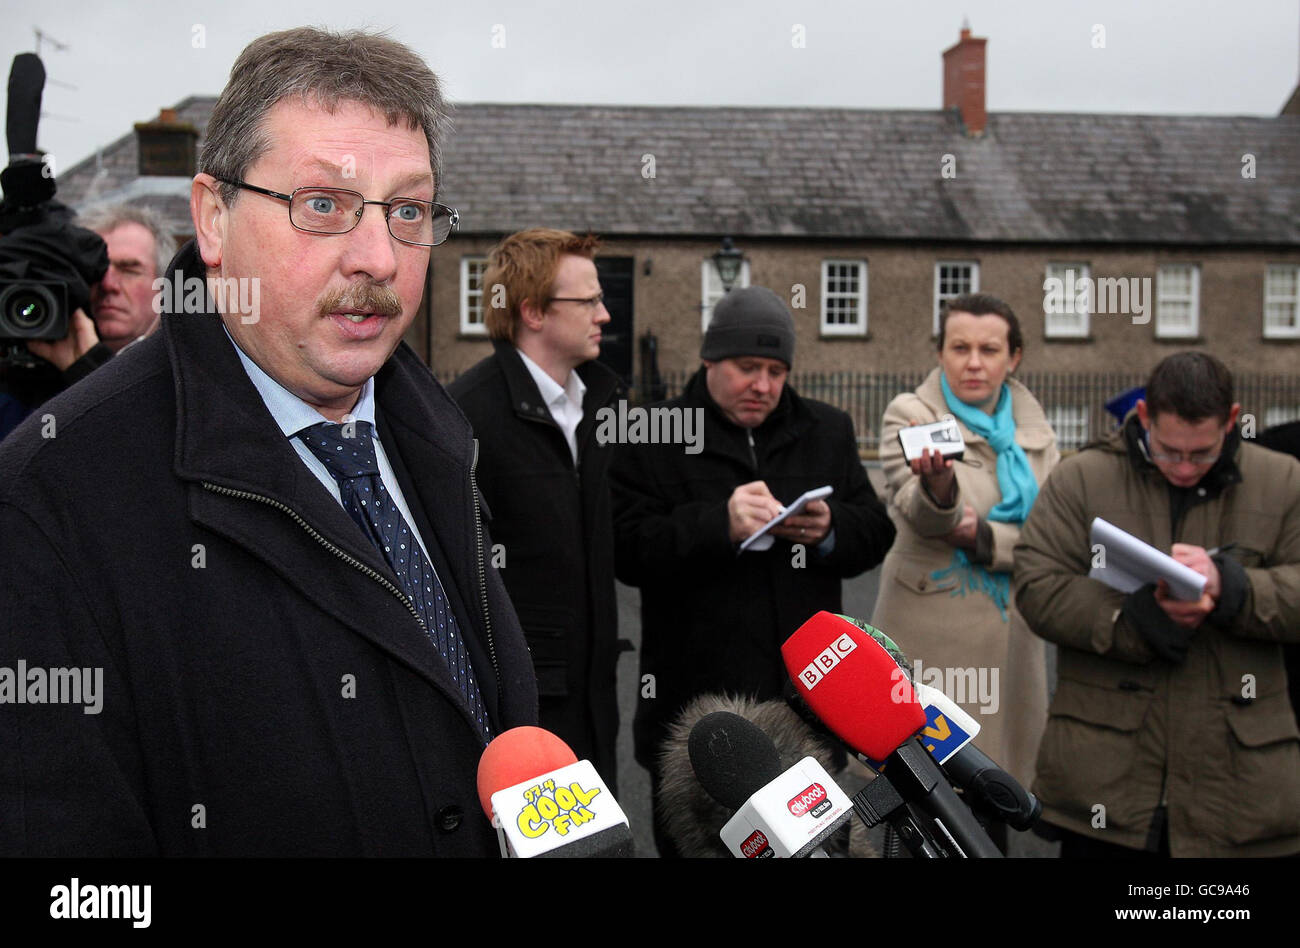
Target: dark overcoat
pixel 552 521
pixel 265 688
pixel 713 620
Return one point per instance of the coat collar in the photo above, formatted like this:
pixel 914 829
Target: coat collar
pixel 227 438
pixel 789 421
pixel 602 383
pixel 527 401
pixel 1032 430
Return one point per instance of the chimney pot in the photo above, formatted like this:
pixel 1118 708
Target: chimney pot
pixel 963 81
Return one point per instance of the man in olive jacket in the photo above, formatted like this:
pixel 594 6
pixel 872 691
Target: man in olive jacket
pixel 543 472
pixel 1170 731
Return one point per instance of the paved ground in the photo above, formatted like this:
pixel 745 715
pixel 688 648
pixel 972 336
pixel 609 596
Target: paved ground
pixel 634 784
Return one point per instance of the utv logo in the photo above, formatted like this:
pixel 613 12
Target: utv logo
pixel 756 846
pixel 813 801
pixel 831 656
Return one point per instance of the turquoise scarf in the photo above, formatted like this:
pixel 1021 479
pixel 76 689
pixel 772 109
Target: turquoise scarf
pixel 1016 482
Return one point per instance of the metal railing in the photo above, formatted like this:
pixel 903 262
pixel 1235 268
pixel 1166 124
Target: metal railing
pixel 1073 401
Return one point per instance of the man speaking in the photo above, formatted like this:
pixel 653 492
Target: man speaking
pixel 262 525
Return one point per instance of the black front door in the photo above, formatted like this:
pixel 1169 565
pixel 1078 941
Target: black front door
pixel 616 343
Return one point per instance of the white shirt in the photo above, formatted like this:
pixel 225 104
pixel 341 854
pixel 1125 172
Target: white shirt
pixel 292 414
pixel 564 404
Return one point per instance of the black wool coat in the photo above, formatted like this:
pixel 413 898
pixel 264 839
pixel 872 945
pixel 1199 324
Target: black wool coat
pixel 712 620
pixel 266 690
pixel 552 521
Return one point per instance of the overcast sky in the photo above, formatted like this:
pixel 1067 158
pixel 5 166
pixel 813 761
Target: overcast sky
pixel 126 60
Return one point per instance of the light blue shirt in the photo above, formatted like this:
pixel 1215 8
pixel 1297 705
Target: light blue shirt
pixel 292 414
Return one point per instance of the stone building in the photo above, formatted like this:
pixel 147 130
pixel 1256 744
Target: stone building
pixel 1164 232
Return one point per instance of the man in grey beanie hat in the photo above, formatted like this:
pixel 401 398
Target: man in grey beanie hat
pixel 750 322
pixel 712 618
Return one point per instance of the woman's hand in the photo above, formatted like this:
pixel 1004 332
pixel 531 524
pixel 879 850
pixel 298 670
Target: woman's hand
pixel 936 474
pixel 964 534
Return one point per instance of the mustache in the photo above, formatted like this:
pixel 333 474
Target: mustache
pixel 364 297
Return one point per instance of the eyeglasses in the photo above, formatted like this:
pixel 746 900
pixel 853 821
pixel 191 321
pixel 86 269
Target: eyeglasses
pixel 589 302
pixel 1199 458
pixel 335 211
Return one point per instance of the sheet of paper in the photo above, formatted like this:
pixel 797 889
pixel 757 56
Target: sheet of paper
pixel 1131 563
pixel 761 540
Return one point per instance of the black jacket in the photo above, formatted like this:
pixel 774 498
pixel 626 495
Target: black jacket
pixel 25 388
pixel 265 691
pixel 552 522
pixel 712 621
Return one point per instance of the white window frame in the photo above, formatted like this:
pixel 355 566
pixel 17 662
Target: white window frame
pixel 859 326
pixel 1060 270
pixel 1073 416
pixel 1193 297
pixel 711 288
pixel 1283 332
pixel 1280 415
pixel 939 300
pixel 467 326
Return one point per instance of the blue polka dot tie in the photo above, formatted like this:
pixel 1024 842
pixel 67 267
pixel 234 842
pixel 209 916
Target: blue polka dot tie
pixel 352 462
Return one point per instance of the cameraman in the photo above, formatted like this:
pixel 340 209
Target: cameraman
pixel 121 303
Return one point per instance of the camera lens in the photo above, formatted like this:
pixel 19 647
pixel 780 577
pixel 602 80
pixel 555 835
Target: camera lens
pixel 26 309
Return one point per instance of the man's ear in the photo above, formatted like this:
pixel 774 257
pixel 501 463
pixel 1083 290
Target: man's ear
pixel 1233 416
pixel 208 212
pixel 530 315
pixel 1143 415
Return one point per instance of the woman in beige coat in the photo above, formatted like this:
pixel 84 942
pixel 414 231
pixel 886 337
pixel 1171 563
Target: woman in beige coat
pixel 945 593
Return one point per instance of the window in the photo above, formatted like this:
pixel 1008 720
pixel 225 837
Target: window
pixel 1067 300
pixel 1178 294
pixel 472 322
pixel 1282 302
pixel 952 279
pixel 1280 415
pixel 1070 422
pixel 844 297
pixel 711 288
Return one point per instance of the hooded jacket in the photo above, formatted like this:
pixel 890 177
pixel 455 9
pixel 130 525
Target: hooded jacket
pixel 1209 740
pixel 266 689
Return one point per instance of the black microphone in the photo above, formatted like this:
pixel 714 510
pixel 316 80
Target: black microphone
pixel 786 813
pixel 690 816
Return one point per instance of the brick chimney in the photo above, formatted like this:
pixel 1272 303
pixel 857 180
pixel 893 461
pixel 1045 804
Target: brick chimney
pixel 963 80
pixel 166 146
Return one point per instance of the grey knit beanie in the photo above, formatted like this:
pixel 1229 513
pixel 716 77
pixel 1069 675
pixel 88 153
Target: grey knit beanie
pixel 752 321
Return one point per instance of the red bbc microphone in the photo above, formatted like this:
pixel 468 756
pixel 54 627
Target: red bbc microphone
pixel 856 689
pixel 545 802
pixel 840 672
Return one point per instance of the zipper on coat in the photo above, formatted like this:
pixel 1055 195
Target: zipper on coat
pixel 315 535
pixel 753 455
pixel 482 575
pixel 367 571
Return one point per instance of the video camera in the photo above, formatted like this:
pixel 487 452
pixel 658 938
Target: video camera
pixel 47 263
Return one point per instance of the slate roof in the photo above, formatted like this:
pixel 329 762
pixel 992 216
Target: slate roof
pixel 848 174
